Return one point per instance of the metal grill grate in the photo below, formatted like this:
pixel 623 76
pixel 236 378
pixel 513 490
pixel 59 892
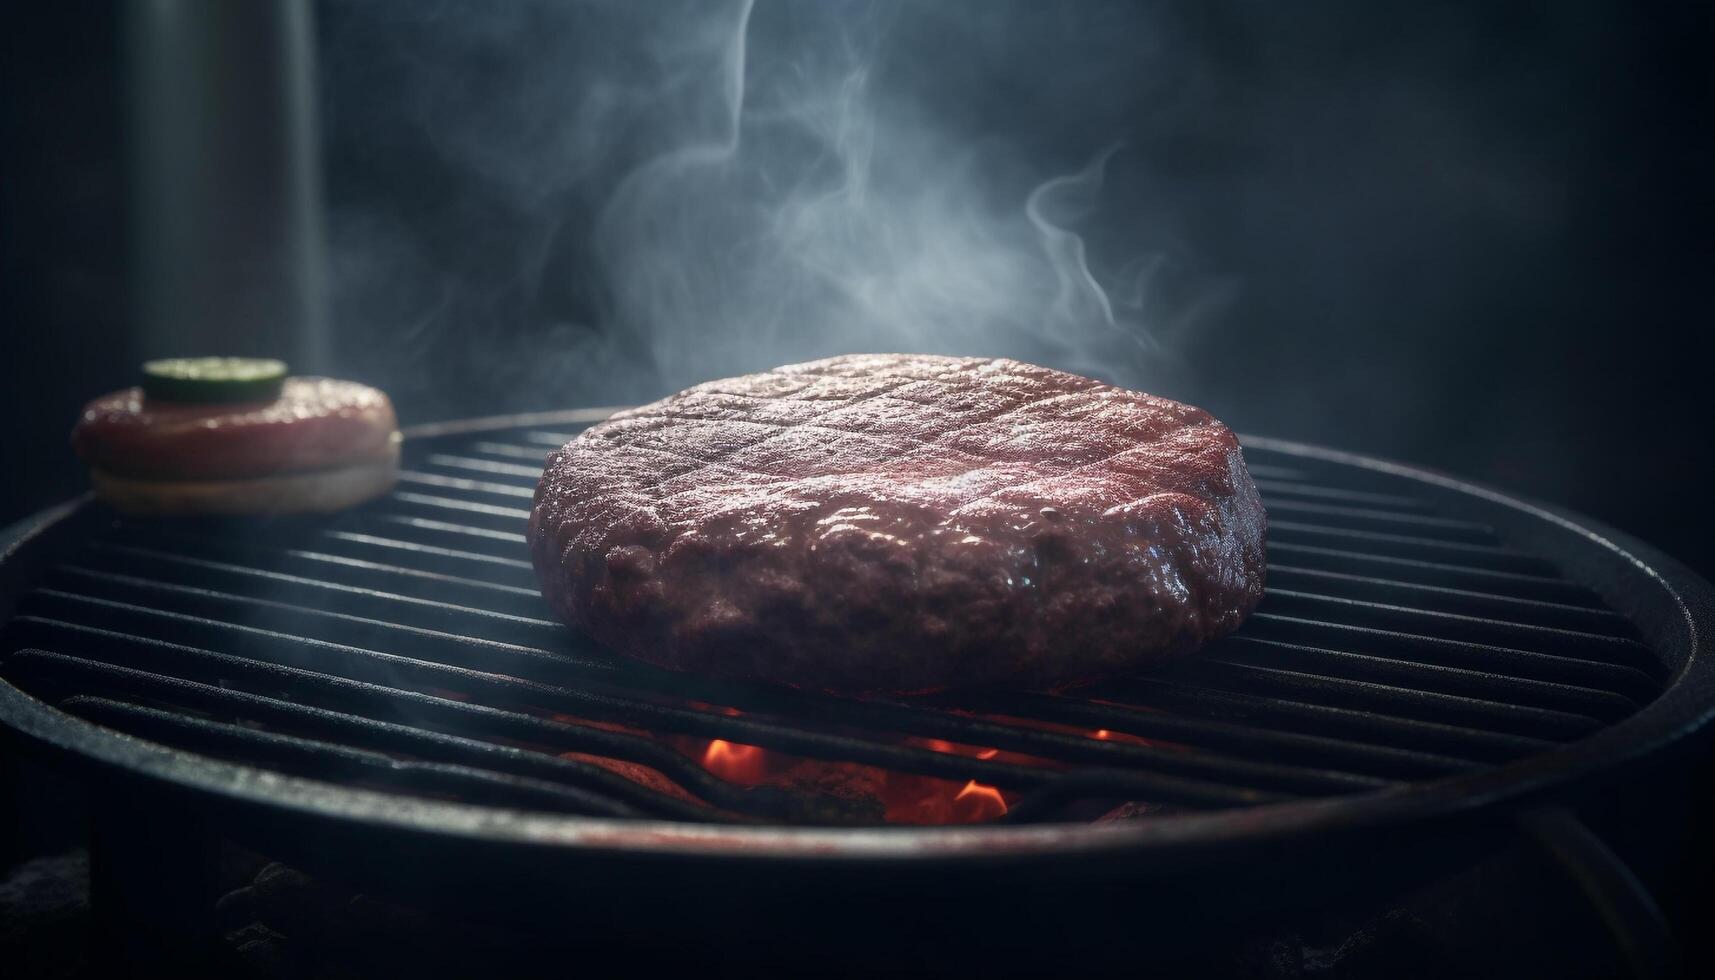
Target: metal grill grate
pixel 404 646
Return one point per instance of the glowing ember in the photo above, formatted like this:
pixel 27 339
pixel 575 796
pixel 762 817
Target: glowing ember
pixel 904 797
pixel 1125 737
pixel 898 797
pixel 640 774
pixel 985 800
pixel 926 800
pixel 734 762
pixel 606 726
pixel 721 709
pixel 954 748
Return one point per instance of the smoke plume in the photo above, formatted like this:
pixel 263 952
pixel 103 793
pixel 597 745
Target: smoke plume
pixel 693 189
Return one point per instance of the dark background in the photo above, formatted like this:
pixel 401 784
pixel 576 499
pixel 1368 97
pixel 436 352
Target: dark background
pixel 1474 236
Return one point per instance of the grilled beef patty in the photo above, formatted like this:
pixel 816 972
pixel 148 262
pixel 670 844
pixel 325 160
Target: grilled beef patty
pixel 902 523
pixel 320 445
pixel 315 424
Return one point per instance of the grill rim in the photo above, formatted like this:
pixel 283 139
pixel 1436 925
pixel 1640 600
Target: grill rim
pixel 1685 705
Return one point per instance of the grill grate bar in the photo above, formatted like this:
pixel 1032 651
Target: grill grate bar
pixel 478 621
pixel 404 645
pixel 1521 573
pixel 337 550
pixel 1270 471
pixel 1482 557
pixel 464 483
pixel 514 450
pixel 475 465
pixel 462 506
pixel 1160 694
pixel 461 625
pixel 1446 574
pixel 393 670
pixel 553 440
pixel 331 727
pixel 417 708
pixel 1621 679
pixel 424 551
pixel 1601 647
pixel 325 598
pixel 1120 784
pixel 1348 517
pixel 507 450
pixel 440 520
pixel 1428 677
pixel 1406 594
pixel 216 608
pixel 250 559
pixel 1506 583
pixel 321 760
pixel 1393 700
pixel 510 538
pixel 1285 745
pixel 522 661
pixel 1275 489
pixel 541 622
pixel 1415 595
pixel 327 564
pixel 602 705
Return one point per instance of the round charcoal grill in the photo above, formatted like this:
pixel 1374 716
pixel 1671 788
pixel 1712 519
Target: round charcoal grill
pixel 383 693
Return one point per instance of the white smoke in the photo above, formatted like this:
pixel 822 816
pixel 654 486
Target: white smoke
pixel 824 219
pixel 799 195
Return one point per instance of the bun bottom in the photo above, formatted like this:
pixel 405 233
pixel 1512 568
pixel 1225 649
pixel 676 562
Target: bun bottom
pixel 310 492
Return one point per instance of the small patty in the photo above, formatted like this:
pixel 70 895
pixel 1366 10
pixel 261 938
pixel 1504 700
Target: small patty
pixel 316 423
pixel 902 523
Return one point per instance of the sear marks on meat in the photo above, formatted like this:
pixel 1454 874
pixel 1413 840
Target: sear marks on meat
pixel 902 523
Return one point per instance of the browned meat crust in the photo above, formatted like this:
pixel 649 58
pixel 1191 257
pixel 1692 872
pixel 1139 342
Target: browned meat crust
pixel 316 423
pixel 902 523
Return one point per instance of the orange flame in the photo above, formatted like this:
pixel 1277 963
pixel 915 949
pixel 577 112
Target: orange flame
pixel 980 802
pixel 736 762
pixel 1103 733
pixel 904 797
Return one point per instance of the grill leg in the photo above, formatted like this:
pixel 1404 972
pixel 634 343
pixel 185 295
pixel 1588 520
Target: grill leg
pixel 152 888
pixel 1627 909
